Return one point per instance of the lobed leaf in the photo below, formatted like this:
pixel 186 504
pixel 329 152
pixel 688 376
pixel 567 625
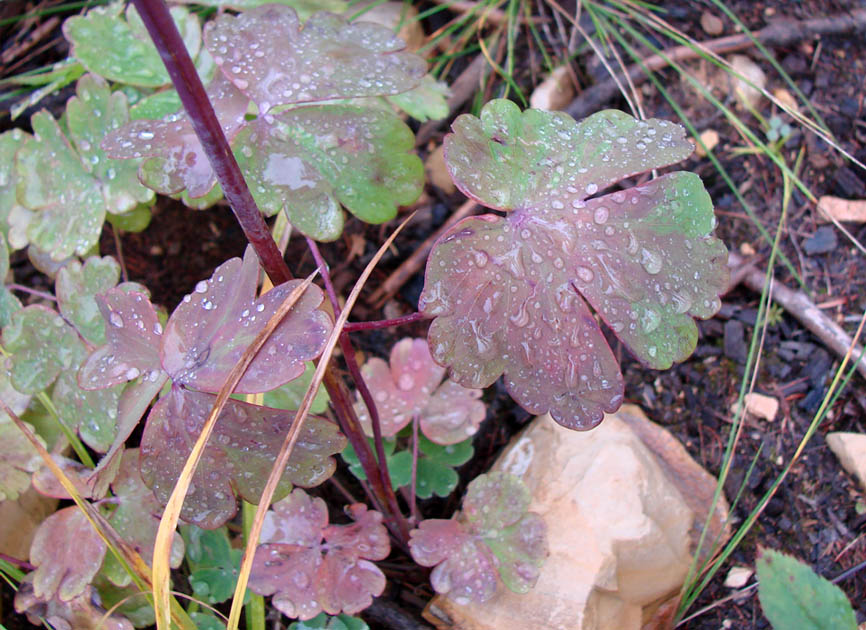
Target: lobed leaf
pixel 120 49
pixel 510 294
pixel 212 327
pixel 42 346
pixel 18 459
pixel 212 562
pixel 10 141
pixel 76 287
pixel 268 56
pixel 324 621
pixel 78 613
pixel 309 161
pixel 408 388
pixel 290 395
pixel 8 302
pixel 237 458
pixel 133 335
pixel 46 484
pixel 399 463
pixel 426 101
pixel 435 472
pixel 92 413
pixel 793 596
pixel 67 554
pixel 497 536
pixel 176 160
pixel 305 8
pixel 306 576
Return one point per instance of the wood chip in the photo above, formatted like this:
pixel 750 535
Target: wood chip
pixel 841 209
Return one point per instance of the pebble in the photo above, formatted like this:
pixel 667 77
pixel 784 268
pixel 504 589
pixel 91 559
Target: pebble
pixel 711 24
pixel 822 241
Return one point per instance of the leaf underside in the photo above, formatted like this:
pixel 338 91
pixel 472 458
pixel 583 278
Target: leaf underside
pixel 512 295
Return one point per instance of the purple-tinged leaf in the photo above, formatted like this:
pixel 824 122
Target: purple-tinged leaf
pixel 510 293
pixel 269 57
pixel 290 565
pixel 42 346
pixel 93 413
pixel 79 613
pixel 133 334
pixel 136 519
pixel 67 553
pixel 211 329
pixel 496 535
pixel 177 161
pixel 76 288
pixel 311 160
pixel 238 457
pixel 48 485
pixel 408 387
pixel 18 459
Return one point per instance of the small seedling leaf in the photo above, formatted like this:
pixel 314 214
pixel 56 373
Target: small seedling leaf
pixel 119 48
pixel 213 326
pixel 238 456
pixel 268 56
pixel 42 346
pixel 310 161
pixel 213 564
pixel 306 576
pixel 793 596
pixel 76 288
pixel 324 621
pixel 290 395
pixel 67 553
pixel 133 335
pixel 510 293
pixel 427 101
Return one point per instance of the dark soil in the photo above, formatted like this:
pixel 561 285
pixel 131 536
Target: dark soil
pixel 818 514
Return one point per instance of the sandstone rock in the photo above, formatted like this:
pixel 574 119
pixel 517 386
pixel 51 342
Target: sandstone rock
pixel 760 406
pixel 841 209
pixel 748 91
pixel 437 172
pixel 555 92
pixel 738 577
pixel 712 24
pixel 624 505
pixel 850 448
pixel 710 139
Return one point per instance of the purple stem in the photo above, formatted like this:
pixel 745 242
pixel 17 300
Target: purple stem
pixel 412 503
pixel 383 323
pixel 162 30
pixel 164 33
pixel 23 289
pixel 352 364
pixel 21 564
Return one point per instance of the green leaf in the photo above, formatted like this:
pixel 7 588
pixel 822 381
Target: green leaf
pixel 212 562
pixel 426 102
pixel 42 346
pixel 136 220
pixel 206 621
pixel 10 141
pixel 92 412
pixel 289 396
pixel 305 8
pixel 8 302
pixel 796 598
pixel 324 621
pixel 120 49
pixel 76 288
pixel 311 160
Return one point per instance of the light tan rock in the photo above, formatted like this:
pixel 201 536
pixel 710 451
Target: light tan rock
pixel 712 24
pixel 850 448
pixel 437 172
pixel 748 89
pixel 760 406
pixel 842 209
pixel 709 138
pixel 738 577
pixel 620 503
pixel 555 92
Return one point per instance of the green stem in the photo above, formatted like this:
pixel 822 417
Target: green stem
pixel 255 609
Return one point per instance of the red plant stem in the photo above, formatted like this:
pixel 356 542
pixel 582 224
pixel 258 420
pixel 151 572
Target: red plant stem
pixel 162 30
pixel 23 289
pixel 21 564
pixel 160 25
pixel 352 365
pixel 412 503
pixel 383 323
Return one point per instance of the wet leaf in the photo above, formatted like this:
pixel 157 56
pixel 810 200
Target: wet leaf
pixel 119 48
pixel 10 141
pixel 290 395
pixel 48 485
pixel 324 621
pixel 310 161
pixel 213 564
pixel 78 613
pixel 8 302
pixel 399 463
pixel 69 186
pixel 213 326
pixel 129 601
pixel 305 8
pixel 133 335
pixel 175 159
pixel 498 535
pixel 93 413
pixel 76 288
pixel 267 55
pixel 136 518
pixel 408 387
pixel 67 553
pixel 435 472
pixel 307 576
pixel 510 293
pixel 206 621
pixel 42 346
pixel 427 101
pixel 238 456
pixel 18 459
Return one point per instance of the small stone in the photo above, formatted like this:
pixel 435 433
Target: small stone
pixel 438 172
pixel 746 249
pixel 748 91
pixel 822 241
pixel 711 24
pixel 735 341
pixel 842 209
pixel 850 448
pixel 785 98
pixel 710 139
pixel 760 406
pixel 738 577
pixel 555 92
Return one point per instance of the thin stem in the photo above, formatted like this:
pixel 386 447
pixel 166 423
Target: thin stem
pixel 351 363
pixel 384 323
pixel 255 609
pixel 21 564
pixel 412 503
pixel 23 289
pixel 160 25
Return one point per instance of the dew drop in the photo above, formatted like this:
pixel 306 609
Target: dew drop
pixel 201 287
pixel 115 319
pixel 481 258
pixel 651 262
pixel 600 215
pixel 406 382
pixel 591 189
pixel 585 274
pixel 132 373
pixel 146 135
pixel 650 320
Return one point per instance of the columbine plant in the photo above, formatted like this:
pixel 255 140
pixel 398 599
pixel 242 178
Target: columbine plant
pixel 308 111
